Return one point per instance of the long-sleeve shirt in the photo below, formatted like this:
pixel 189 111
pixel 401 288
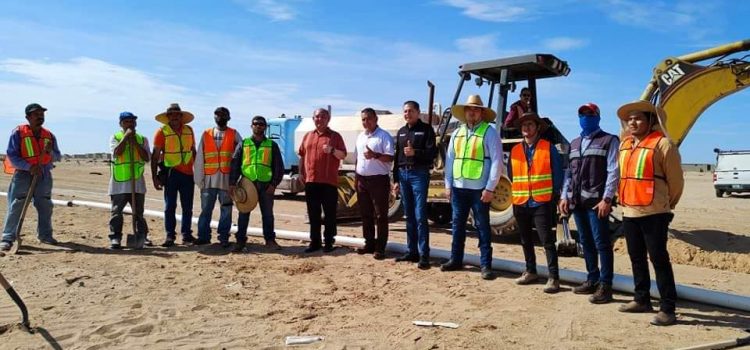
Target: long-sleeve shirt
pixel 14 153
pixel 277 164
pixel 422 139
pixel 493 162
pixel 613 168
pixel 557 170
pixel 218 180
pixel 120 187
pixel 668 182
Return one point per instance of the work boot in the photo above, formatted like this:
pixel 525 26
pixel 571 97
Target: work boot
pixel 588 287
pixel 602 295
pixel 48 240
pixel 147 242
pixel 365 250
pixel 239 247
pixel 114 243
pixel 552 286
pixel 313 247
pixel 424 263
pixel 202 241
pixel 188 239
pixel 664 319
pixel 5 246
pixel 168 243
pixel 271 243
pixel 328 247
pixel 635 307
pixel 225 244
pixel 408 257
pixel 378 255
pixel 487 273
pixel 451 265
pixel 526 278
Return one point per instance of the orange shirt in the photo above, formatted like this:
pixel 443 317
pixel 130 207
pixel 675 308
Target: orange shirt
pixel 319 166
pixel 186 169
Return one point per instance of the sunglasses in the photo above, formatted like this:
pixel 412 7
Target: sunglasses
pixel 259 124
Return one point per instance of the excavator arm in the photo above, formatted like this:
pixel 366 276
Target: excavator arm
pixel 685 89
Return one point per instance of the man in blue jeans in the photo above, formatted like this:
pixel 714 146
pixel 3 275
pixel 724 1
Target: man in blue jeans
pixel 211 173
pixel 473 166
pixel 589 186
pixel 414 155
pixel 258 158
pixel 31 151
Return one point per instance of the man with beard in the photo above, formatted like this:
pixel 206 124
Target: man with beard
pixel 211 173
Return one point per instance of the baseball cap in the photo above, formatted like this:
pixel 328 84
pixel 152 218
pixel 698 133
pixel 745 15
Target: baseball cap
pixel 591 107
pixel 34 107
pixel 127 115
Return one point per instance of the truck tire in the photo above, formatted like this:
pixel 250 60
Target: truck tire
pixel 395 210
pixel 719 193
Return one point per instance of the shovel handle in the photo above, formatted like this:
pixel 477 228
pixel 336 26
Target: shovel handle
pixel 26 201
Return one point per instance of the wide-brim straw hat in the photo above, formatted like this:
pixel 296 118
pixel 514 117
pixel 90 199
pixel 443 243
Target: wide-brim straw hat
pixel 488 114
pixel 541 124
pixel 245 196
pixel 187 117
pixel 627 109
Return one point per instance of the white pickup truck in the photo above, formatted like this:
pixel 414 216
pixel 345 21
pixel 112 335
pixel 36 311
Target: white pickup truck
pixel 732 173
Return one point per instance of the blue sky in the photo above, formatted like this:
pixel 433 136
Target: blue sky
pixel 88 60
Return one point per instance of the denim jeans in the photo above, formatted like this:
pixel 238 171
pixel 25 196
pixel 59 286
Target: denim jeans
pixel 463 200
pixel 119 201
pixel 542 218
pixel 413 185
pixel 593 232
pixel 265 202
pixel 183 184
pixel 208 201
pixel 42 198
pixel 648 234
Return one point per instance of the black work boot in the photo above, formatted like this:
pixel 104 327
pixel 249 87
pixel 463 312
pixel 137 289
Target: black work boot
pixel 602 295
pixel 588 287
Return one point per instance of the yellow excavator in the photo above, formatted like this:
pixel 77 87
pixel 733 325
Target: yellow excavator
pixel 685 89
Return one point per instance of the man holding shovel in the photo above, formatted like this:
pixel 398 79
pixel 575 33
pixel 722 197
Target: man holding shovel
pixel 589 186
pixel 130 151
pixel 31 151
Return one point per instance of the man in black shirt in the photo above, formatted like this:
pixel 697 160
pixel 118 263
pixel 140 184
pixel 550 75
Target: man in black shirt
pixel 414 155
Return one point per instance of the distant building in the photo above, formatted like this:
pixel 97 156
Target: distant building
pixel 697 167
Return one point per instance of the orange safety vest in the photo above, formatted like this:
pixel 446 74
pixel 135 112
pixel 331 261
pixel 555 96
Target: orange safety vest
pixel 533 181
pixel 31 148
pixel 217 159
pixel 637 170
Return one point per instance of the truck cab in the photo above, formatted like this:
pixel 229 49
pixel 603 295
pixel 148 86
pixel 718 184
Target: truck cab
pixel 732 172
pixel 281 130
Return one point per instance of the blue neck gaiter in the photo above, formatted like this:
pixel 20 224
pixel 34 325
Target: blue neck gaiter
pixel 589 124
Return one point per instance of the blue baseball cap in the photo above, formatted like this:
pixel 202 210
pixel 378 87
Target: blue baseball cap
pixel 127 115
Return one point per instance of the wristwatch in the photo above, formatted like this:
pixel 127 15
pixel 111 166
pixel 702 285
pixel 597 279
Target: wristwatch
pixel 607 200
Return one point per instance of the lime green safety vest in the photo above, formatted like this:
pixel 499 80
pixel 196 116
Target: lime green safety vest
pixel 256 162
pixel 469 160
pixel 178 149
pixel 121 165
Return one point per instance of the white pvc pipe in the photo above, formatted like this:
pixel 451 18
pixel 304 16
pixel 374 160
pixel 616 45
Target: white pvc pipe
pixel 621 283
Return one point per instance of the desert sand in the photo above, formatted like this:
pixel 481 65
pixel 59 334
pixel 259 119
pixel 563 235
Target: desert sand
pixel 82 295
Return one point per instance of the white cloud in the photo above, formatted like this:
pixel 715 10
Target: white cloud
pixel 274 9
pixel 654 14
pixel 564 43
pixel 482 45
pixel 492 11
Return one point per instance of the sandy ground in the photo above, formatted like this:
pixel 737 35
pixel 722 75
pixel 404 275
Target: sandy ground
pixel 81 295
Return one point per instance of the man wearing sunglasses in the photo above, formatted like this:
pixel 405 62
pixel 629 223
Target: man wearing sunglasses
pixel 258 158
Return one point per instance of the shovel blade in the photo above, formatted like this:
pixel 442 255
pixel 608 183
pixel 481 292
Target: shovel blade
pixel 135 241
pixel 15 246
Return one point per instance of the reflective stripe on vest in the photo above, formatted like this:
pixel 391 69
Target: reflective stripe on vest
pixel 533 181
pixel 178 149
pixel 31 148
pixel 469 161
pixel 256 163
pixel 217 159
pixel 637 170
pixel 121 165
